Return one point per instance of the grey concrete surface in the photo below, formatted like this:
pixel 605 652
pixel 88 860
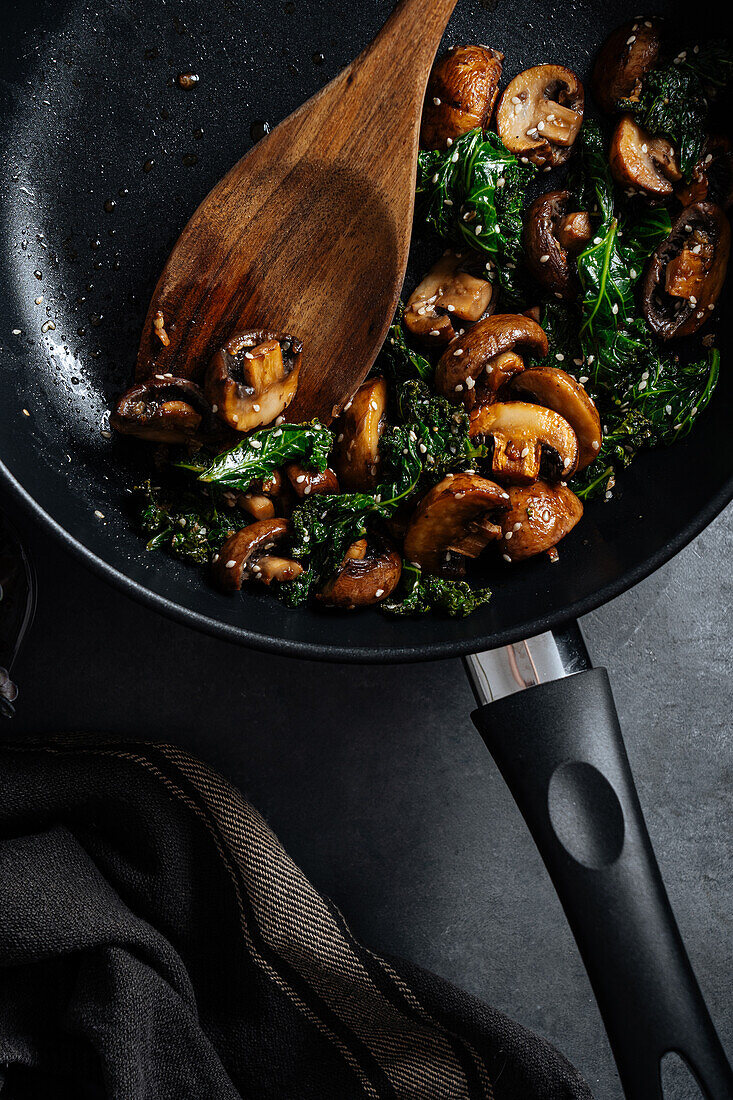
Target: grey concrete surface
pixel 378 785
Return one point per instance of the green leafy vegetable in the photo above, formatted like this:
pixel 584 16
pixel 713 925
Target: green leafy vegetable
pixel 418 594
pixel 399 359
pixel 265 451
pixel 190 522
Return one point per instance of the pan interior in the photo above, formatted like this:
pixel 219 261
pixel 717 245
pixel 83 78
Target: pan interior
pixel 105 158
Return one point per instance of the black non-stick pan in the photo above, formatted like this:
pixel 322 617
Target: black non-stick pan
pixel 104 159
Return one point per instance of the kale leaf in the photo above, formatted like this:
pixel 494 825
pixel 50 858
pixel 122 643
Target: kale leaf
pixel 264 451
pixel 418 594
pixel 190 522
pixel 400 361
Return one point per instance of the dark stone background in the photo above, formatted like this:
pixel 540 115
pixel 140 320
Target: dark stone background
pixel 378 785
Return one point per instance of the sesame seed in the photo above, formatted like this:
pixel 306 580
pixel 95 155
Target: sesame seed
pixel 437 101
pixel 26 413
pixel 454 158
pixel 508 534
pixel 435 332
pixel 559 356
pixel 583 379
pixel 642 386
pixel 524 452
pixel 300 479
pixel 578 362
pixel 596 240
pixel 422 448
pixel 595 445
pixel 256 408
pixel 451 309
pixel 668 410
pixel 693 411
pixel 215 408
pixel 633 272
pixel 645 148
pixel 459 388
pixel 614 308
pixel 544 259
pixel 307 490
pixel 449 141
pixel 470 383
pixel 693 300
pixel 235 418
pixel 256 443
pixel 98 514
pixel 517 526
pixel 478 230
pixel 230 564
pixel 458 352
pixel 379 593
pixel 506 558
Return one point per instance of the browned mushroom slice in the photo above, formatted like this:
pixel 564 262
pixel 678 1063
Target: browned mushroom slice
pixel 461 93
pixel 528 439
pixel 475 365
pixel 553 388
pixel 253 378
pixel 449 293
pixel 540 516
pixel 246 555
pixel 307 482
pixel 454 521
pixel 685 274
pixel 712 176
pixel 164 410
pixel 551 236
pixel 540 113
pixel 358 430
pixel 625 57
pixel 641 162
pixel 367 576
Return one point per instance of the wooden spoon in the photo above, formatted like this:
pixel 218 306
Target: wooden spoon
pixel 309 233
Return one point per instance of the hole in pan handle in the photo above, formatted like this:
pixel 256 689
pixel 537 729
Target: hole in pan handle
pixel 549 720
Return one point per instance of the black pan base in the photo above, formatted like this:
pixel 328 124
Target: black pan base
pixel 105 157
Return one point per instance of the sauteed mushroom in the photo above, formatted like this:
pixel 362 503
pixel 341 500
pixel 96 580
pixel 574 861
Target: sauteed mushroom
pixel 368 575
pixel 540 113
pixel 461 93
pixel 553 388
pixel 450 292
pixel 253 378
pixel 454 521
pixel 307 482
pixel 539 516
pixel 163 409
pixel 551 237
pixel 246 556
pixel 685 274
pixel 627 55
pixel 528 439
pixel 358 430
pixel 712 176
pixel 642 162
pixel 265 497
pixel 475 365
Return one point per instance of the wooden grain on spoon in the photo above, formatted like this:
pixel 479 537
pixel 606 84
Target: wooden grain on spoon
pixel 309 233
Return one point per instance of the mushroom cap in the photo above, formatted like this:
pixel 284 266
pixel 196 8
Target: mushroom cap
pixel 540 113
pixel 557 390
pixel 455 516
pixel 461 93
pixel 463 363
pixel 625 57
pixel 640 161
pixel 242 550
pixel 365 578
pixel 358 431
pixel 523 435
pixel 697 277
pixel 539 516
pixel 254 377
pixel 547 260
pixel 305 482
pixel 450 292
pixel 163 409
pixel 712 176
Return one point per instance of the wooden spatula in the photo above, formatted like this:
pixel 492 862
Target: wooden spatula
pixel 309 233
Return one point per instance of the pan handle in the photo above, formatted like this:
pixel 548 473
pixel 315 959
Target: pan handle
pixel 559 747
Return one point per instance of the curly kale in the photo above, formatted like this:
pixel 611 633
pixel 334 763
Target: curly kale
pixel 418 595
pixel 399 359
pixel 262 452
pixel 191 523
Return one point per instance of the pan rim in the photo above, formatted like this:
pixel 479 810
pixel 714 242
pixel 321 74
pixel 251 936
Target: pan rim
pixel 429 651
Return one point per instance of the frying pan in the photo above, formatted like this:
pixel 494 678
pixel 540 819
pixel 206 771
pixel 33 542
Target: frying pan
pixel 105 157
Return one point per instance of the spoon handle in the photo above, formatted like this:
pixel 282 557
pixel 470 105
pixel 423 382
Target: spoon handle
pixel 404 49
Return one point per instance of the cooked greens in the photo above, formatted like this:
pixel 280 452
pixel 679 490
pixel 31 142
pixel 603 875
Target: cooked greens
pixel 265 451
pixel 418 594
pixel 189 521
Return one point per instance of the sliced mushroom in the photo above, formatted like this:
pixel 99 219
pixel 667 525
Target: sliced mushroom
pixel 712 176
pixel 307 482
pixel 454 521
pixel 451 292
pixel 539 516
pixel 461 93
pixel 265 497
pixel 685 274
pixel 626 56
pixel 475 365
pixel 246 556
pixel 553 388
pixel 642 162
pixel 540 113
pixel 163 409
pixel 368 575
pixel 551 237
pixel 253 378
pixel 528 440
pixel 358 431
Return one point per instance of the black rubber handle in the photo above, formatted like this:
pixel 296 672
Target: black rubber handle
pixel 560 750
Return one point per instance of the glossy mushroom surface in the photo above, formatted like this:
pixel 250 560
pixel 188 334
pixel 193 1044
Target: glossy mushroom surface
pixel 474 366
pixel 557 390
pixel 686 273
pixel 539 516
pixel 358 430
pixel 449 298
pixel 539 114
pixel 455 520
pixel 528 440
pixel 627 55
pixel 253 378
pixel 552 236
pixel 163 409
pixel 305 482
pixel 641 162
pixel 461 93
pixel 369 574
pixel 247 555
